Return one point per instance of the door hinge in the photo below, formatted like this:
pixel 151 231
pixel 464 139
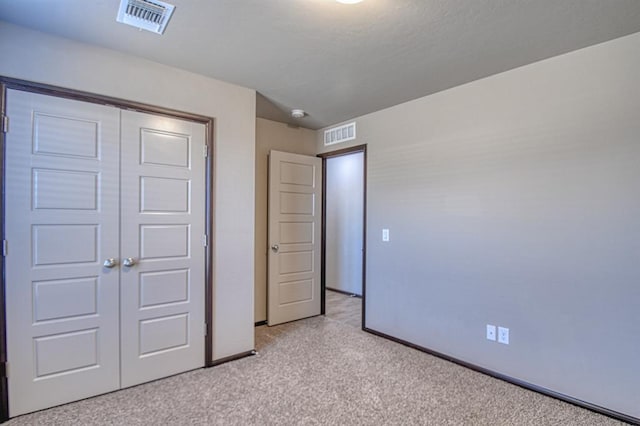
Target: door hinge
pixel 205 240
pixel 4 369
pixel 205 151
pixel 5 248
pixel 5 124
pixel 205 329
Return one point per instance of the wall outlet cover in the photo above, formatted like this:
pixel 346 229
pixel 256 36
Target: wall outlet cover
pixel 385 235
pixel 491 332
pixel 503 335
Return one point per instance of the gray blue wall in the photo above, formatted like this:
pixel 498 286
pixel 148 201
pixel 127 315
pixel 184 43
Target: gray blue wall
pixel 344 222
pixel 515 201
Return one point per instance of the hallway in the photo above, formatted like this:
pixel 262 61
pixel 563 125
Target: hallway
pixel 344 308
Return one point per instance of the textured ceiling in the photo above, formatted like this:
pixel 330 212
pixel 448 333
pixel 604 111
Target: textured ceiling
pixel 339 61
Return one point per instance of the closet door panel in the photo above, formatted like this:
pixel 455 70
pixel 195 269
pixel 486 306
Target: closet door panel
pixel 61 223
pixel 162 230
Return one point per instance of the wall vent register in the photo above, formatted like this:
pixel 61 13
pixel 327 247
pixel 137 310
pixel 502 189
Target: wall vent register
pixel 340 134
pixel 145 14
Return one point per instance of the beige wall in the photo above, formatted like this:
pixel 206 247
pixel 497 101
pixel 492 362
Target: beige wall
pixel 38 57
pixel 515 201
pixel 271 135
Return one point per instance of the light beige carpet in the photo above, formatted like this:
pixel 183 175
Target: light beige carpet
pixel 344 308
pixel 321 371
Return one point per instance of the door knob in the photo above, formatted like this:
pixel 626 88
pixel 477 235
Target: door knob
pixel 275 248
pixel 110 263
pixel 129 262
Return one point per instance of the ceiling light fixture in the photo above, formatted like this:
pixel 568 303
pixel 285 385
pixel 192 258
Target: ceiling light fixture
pixel 348 1
pixel 297 113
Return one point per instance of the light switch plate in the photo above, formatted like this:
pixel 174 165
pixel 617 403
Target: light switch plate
pixel 385 235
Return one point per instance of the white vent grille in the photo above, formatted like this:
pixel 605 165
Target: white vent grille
pixel 145 14
pixel 340 134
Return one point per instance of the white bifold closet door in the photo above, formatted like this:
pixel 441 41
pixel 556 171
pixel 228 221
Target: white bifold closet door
pixel 88 186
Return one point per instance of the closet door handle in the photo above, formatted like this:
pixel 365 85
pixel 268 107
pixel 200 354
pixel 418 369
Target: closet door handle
pixel 129 262
pixel 110 263
pixel 275 248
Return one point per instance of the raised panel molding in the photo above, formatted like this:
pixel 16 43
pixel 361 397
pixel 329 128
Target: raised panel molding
pixel 162 334
pixel 296 174
pixel 296 203
pixel 164 148
pixel 65 299
pixel 66 352
pixel 164 241
pixel 164 195
pixel 80 136
pixel 65 190
pixel 295 291
pixel 64 244
pixel 164 287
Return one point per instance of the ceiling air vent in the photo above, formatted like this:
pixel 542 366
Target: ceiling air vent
pixel 340 134
pixel 145 14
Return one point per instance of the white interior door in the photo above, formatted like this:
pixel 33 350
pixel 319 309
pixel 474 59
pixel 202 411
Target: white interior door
pixel 295 206
pixel 162 231
pixel 61 223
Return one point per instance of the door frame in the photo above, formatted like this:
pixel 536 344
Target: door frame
pixel 61 92
pixel 323 244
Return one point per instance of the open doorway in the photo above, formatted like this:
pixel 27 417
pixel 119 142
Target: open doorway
pixel 343 235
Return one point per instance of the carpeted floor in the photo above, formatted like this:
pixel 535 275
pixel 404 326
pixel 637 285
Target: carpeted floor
pixel 321 371
pixel 344 308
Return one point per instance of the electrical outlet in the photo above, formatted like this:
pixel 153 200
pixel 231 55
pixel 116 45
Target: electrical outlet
pixel 385 235
pixel 491 332
pixel 503 335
